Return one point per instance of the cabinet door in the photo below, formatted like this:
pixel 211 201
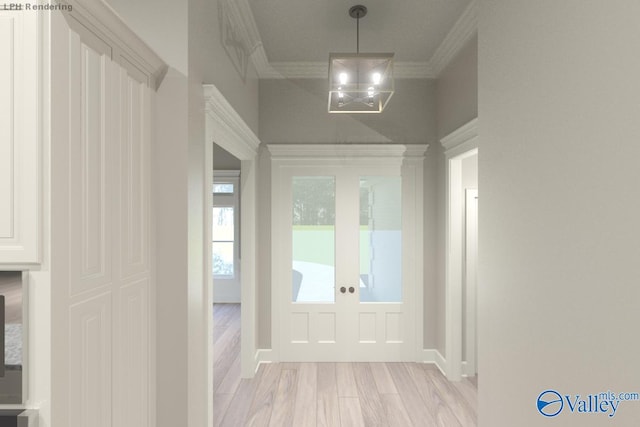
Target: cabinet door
pixel 19 138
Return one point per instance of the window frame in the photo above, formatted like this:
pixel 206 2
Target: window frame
pixel 222 200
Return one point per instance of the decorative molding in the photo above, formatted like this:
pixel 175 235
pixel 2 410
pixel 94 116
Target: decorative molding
pixel 433 356
pixel 263 355
pixel 459 138
pixel 301 70
pixel 239 34
pixel 127 49
pixel 413 70
pixel 243 21
pixel 440 362
pixel 465 27
pixel 320 70
pixel 341 151
pixel 227 129
pixel 262 66
pixel 462 31
pixel 246 23
pixel 466 372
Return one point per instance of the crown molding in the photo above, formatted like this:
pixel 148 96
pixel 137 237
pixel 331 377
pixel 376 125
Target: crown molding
pixel 461 138
pixel 124 46
pixel 225 126
pixel 320 70
pixel 262 66
pixel 462 31
pixel 341 151
pixel 241 16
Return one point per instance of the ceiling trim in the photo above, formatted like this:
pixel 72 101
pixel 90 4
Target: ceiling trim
pixel 461 32
pixel 342 151
pixel 457 141
pixel 320 70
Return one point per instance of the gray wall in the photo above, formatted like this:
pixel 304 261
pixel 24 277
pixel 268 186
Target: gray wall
pixel 558 278
pixel 222 160
pixel 295 111
pixel 457 90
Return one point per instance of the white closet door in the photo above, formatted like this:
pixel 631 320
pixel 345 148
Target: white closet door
pixel 101 259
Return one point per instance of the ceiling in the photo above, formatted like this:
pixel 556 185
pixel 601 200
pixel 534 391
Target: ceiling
pixel 296 36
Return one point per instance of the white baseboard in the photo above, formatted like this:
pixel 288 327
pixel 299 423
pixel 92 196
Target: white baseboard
pixel 433 356
pixel 466 370
pixel 263 355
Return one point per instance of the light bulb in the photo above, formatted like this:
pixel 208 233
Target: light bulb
pixel 376 78
pixel 370 91
pixel 343 78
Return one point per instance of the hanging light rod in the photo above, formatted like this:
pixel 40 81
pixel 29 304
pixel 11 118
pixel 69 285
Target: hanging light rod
pixel 356 12
pixel 360 83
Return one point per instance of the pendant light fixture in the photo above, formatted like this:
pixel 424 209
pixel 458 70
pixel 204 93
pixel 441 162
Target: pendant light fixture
pixel 360 82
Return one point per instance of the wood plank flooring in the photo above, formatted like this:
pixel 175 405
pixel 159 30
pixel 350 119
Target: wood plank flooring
pixel 332 394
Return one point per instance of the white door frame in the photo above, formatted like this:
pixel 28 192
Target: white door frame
pixel 469 365
pixel 458 145
pixel 225 127
pixel 411 160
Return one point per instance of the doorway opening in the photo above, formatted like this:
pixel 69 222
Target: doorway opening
pixel 225 128
pixel 225 263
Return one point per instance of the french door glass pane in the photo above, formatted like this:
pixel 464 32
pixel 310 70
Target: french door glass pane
pixel 380 239
pixel 313 245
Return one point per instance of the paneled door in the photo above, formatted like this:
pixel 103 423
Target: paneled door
pixel 344 280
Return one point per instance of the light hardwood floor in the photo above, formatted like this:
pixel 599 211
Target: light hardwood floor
pixel 332 394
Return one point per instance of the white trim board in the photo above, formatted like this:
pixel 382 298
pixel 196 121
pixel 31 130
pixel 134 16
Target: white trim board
pixel 263 355
pixel 461 139
pixel 433 356
pixel 226 127
pixel 97 19
pixel 460 144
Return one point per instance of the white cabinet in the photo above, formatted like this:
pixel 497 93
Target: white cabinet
pixel 20 132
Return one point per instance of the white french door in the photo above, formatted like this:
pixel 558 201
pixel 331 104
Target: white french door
pixel 344 262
